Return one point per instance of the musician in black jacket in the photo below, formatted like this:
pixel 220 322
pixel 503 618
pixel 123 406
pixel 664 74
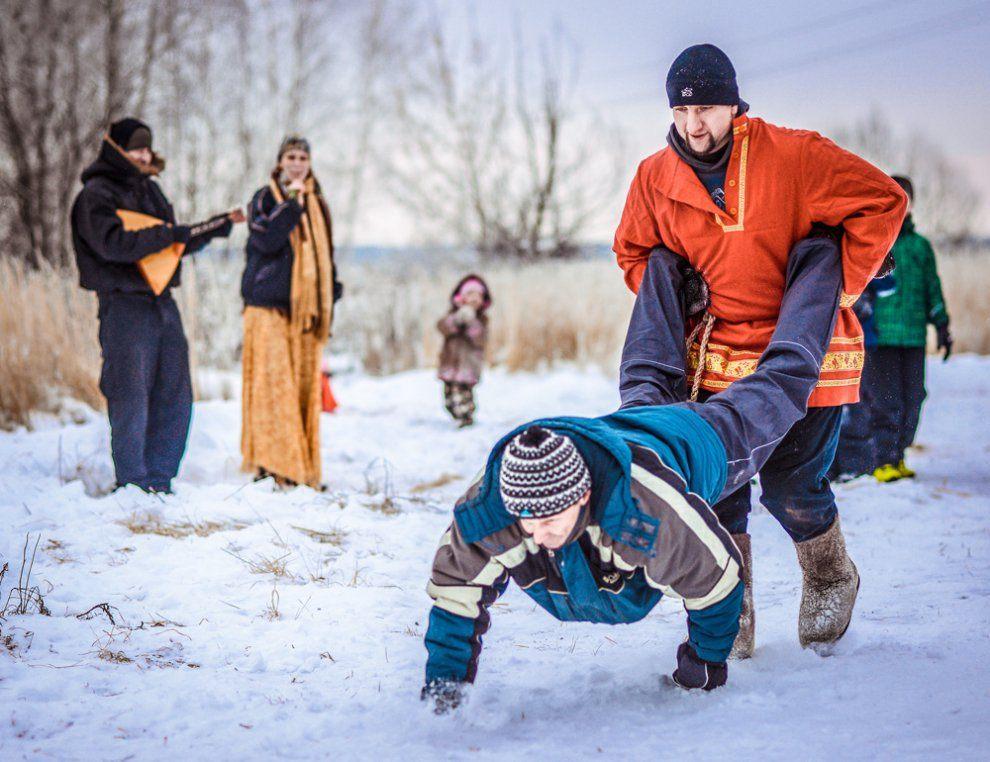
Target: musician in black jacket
pixel 145 376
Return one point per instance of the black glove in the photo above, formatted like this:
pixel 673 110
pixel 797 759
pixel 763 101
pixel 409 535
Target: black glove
pixel 944 340
pixel 338 290
pixel 217 226
pixel 446 695
pixel 694 672
pixel 887 266
pixel 181 233
pixel 694 290
pixel 821 230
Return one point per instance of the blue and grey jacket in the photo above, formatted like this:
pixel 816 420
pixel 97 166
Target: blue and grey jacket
pixel 648 530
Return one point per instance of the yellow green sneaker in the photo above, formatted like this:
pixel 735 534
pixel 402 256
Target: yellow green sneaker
pixel 906 472
pixel 888 472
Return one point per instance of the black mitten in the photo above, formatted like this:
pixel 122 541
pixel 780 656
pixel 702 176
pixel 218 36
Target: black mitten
pixel 446 695
pixel 887 266
pixel 821 230
pixel 944 340
pixel 694 672
pixel 694 290
pixel 338 290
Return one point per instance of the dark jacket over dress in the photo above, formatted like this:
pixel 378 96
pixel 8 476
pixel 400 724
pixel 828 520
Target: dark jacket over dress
pixel 267 278
pixel 106 253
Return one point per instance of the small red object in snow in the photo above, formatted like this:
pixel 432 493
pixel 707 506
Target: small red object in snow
pixel 329 401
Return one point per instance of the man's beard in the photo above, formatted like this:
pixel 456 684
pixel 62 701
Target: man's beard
pixel 706 152
pixel 710 148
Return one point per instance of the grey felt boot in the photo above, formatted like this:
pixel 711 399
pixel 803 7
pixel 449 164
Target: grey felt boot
pixel 745 641
pixel 830 586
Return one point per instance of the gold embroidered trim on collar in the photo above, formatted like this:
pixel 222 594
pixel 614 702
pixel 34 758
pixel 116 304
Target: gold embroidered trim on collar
pixel 741 204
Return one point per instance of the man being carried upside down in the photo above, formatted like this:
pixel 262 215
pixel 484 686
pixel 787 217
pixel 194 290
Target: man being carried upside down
pixel 597 519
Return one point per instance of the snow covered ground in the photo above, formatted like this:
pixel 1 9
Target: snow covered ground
pixel 251 623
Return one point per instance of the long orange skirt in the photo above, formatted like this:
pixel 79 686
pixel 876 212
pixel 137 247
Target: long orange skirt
pixel 280 422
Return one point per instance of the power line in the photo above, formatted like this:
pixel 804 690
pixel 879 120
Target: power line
pixel 962 18
pixel 950 22
pixel 804 27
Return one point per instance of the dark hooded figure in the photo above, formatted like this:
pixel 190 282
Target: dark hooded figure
pixel 465 333
pixel 119 218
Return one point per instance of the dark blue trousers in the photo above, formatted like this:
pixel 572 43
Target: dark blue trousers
pixel 857 452
pixel 146 382
pixel 898 386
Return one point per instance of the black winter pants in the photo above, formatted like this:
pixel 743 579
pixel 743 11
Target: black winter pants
pixel 898 386
pixel 857 453
pixel 146 382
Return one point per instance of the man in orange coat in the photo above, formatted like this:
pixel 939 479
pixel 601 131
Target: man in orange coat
pixel 732 195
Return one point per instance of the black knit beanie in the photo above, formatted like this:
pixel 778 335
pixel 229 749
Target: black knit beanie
pixel 131 134
pixel 703 75
pixel 906 185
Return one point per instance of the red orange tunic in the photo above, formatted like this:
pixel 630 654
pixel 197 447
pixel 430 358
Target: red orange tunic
pixel 778 182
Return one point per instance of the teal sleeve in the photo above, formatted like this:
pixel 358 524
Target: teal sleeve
pixel 712 630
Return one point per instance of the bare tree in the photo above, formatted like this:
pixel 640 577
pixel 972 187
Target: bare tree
pixel 484 158
pixel 54 103
pixel 220 84
pixel 946 200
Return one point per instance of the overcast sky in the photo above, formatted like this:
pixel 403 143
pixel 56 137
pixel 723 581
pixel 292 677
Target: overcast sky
pixel 806 65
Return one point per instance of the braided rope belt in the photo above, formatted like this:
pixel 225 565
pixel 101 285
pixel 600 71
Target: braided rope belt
pixel 704 327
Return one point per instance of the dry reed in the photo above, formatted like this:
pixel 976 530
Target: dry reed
pixel 150 523
pixel 48 342
pixel 966 284
pixel 543 314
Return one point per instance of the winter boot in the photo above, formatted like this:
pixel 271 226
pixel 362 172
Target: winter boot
pixel 830 586
pixel 745 641
pixel 888 472
pixel 906 473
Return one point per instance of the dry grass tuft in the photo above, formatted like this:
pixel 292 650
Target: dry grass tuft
pixel 55 550
pixel 149 523
pixel 271 610
pixel 333 537
pixel 24 595
pixel 48 342
pixel 386 505
pixel 441 481
pixel 966 283
pixel 277 566
pixel 115 657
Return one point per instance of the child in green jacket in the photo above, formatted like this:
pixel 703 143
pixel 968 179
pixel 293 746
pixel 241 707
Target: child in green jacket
pixel 898 361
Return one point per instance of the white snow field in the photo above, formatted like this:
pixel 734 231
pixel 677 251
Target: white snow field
pixel 255 636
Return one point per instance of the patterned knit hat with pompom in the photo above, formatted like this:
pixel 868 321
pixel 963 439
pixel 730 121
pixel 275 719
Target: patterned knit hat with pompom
pixel 542 474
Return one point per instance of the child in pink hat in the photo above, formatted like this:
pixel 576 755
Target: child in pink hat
pixel 465 332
